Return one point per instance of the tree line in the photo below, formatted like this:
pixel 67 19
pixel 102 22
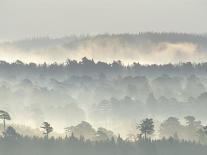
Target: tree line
pixel 12 143
pixel 145 128
pixel 90 67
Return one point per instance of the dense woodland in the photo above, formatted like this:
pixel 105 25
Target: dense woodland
pixel 109 95
pixel 91 68
pixel 94 107
pixel 73 146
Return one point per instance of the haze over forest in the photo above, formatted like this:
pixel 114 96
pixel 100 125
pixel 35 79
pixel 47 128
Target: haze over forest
pixel 145 48
pixel 85 81
pixel 103 77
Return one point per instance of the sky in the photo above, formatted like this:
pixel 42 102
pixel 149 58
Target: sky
pixel 21 19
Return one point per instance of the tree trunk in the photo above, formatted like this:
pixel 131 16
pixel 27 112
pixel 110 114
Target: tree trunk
pixel 4 125
pixel 145 135
pixel 47 135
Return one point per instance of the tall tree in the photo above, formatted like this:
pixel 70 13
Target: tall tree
pixel 47 128
pixel 146 127
pixel 4 116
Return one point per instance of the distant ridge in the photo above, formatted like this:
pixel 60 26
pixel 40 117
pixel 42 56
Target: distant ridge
pixel 140 38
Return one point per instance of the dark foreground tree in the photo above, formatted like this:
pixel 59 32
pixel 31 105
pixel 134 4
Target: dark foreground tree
pixel 4 116
pixel 47 129
pixel 146 127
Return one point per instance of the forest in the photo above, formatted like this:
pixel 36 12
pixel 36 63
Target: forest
pixel 13 143
pixel 63 103
pixel 87 67
pixel 90 91
pixel 103 77
pixel 145 48
pixel 94 106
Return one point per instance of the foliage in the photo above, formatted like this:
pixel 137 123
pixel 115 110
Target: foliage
pixel 146 127
pixel 4 116
pixel 47 129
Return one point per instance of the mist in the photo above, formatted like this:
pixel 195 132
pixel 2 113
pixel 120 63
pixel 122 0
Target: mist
pixel 103 77
pixel 128 49
pixel 92 91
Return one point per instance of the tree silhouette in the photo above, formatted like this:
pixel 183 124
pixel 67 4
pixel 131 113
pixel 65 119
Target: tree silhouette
pixel 170 127
pixel 190 120
pixel 5 116
pixel 67 131
pixel 47 129
pixel 146 127
pixel 11 133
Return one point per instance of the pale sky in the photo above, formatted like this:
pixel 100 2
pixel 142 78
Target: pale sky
pixel 34 18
